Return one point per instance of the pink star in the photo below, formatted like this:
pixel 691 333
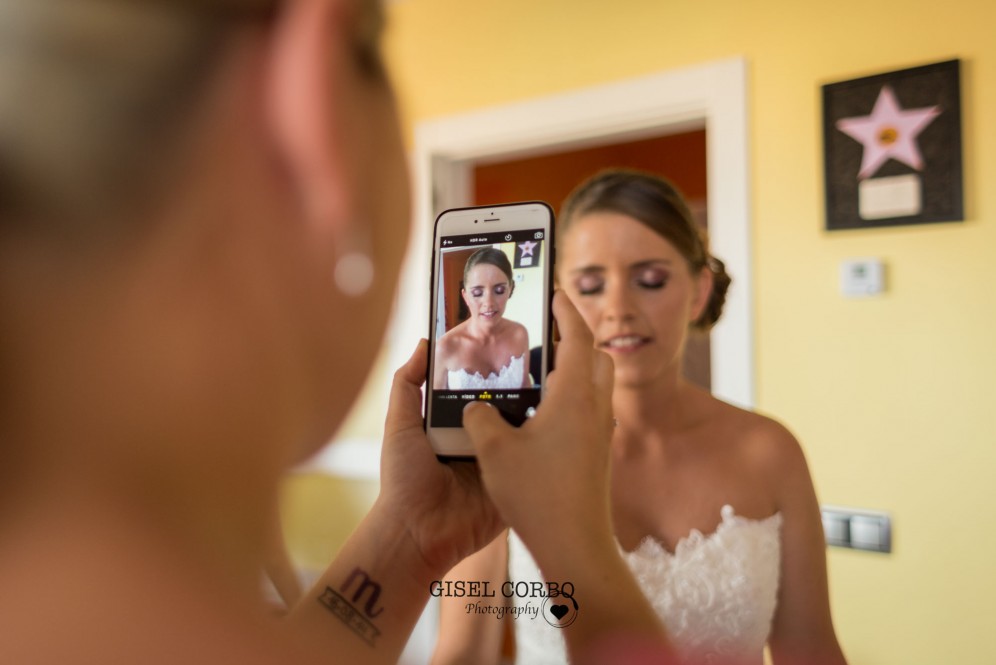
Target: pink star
pixel 888 132
pixel 527 247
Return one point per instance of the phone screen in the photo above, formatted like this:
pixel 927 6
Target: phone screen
pixel 490 315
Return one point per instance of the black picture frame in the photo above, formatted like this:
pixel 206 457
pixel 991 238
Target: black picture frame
pixel 530 260
pixel 895 193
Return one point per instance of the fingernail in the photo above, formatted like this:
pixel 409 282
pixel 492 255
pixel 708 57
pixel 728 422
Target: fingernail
pixel 487 404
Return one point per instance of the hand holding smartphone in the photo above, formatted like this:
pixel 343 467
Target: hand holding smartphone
pixel 490 324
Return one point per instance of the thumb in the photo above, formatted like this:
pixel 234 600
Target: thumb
pixel 604 377
pixel 485 427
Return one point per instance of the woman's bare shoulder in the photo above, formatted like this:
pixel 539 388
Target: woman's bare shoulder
pixel 767 455
pixel 451 342
pixel 763 440
pixel 518 333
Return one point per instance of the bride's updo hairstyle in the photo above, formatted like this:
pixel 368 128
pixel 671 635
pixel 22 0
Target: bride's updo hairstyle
pixel 657 204
pixel 494 257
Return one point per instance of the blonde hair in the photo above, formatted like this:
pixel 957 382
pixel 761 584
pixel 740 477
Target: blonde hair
pixel 91 92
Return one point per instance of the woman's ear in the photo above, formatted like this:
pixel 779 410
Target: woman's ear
pixel 307 76
pixel 703 292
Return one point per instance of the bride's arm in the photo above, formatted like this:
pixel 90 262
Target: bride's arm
pixel 802 631
pixel 441 358
pixel 520 342
pixel 527 380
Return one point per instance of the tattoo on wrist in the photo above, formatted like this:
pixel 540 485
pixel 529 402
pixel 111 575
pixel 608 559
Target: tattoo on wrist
pixel 356 619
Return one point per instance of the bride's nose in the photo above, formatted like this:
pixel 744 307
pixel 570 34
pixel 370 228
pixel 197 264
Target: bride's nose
pixel 617 304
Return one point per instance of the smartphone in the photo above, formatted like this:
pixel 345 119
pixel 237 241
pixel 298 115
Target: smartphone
pixel 490 324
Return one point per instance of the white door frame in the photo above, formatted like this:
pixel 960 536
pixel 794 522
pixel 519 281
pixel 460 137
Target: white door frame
pixel 712 94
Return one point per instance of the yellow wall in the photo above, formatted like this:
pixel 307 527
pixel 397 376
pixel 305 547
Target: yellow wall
pixel 891 396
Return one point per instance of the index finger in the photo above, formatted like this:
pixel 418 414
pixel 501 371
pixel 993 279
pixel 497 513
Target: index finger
pixel 574 352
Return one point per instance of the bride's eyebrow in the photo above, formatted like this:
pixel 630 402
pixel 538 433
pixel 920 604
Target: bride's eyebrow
pixel 585 270
pixel 484 286
pixel 597 269
pixel 650 262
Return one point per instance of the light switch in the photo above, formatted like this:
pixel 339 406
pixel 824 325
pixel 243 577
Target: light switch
pixel 857 528
pixel 836 529
pixel 866 533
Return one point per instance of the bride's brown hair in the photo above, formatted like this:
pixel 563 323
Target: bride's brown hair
pixel 657 204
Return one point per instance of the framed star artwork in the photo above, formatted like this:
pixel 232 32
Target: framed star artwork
pixel 527 254
pixel 892 146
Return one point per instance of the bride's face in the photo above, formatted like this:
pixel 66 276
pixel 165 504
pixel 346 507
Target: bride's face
pixel 635 291
pixel 486 293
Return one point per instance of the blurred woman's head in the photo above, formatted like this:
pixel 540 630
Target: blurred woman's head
pixel 638 268
pixel 488 283
pixel 96 96
pixel 192 194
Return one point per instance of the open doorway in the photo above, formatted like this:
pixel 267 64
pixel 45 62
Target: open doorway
pixel 709 97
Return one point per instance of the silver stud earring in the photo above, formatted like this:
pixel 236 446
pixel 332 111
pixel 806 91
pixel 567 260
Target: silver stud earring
pixel 354 273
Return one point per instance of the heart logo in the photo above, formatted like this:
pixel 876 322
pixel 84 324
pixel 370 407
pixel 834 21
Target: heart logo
pixel 559 611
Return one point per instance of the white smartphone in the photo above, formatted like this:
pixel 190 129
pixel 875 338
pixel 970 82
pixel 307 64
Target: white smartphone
pixel 490 325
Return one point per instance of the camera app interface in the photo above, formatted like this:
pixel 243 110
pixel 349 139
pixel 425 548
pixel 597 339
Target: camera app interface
pixel 489 325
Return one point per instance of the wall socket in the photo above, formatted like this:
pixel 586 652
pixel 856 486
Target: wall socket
pixel 856 528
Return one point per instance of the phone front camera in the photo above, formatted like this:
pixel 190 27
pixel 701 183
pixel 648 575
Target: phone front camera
pixel 475 221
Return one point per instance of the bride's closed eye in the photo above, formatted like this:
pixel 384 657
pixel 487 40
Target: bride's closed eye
pixel 590 284
pixel 498 290
pixel 652 278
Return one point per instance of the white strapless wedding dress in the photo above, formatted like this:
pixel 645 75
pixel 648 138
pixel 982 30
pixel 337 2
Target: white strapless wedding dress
pixel 508 377
pixel 716 594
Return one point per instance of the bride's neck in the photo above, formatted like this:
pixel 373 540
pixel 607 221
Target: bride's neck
pixel 658 407
pixel 485 333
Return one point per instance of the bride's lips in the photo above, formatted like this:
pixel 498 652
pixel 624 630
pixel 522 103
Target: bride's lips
pixel 490 315
pixel 628 343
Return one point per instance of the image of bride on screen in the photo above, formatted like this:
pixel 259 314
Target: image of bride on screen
pixel 485 351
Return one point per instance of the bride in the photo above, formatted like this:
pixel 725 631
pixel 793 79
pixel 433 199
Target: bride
pixel 683 464
pixel 487 351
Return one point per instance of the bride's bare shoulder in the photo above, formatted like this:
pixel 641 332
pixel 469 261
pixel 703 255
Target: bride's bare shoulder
pixel 451 342
pixel 518 334
pixel 760 437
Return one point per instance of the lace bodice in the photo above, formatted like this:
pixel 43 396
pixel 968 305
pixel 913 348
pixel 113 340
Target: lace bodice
pixel 508 377
pixel 716 594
